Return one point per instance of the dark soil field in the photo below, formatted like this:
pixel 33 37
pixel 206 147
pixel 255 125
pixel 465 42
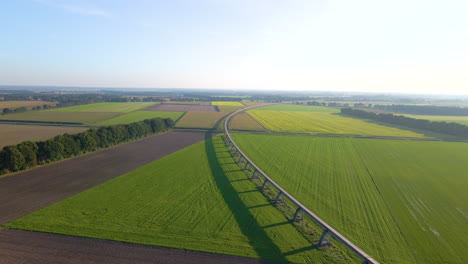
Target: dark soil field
pixel 181 108
pixel 17 246
pixel 28 191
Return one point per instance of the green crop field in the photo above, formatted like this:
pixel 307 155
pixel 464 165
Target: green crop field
pixel 196 198
pixel 401 201
pixel 15 134
pixel 324 123
pixel 243 121
pixel 201 120
pixel 300 108
pixel 455 119
pixel 104 107
pixel 47 116
pixel 140 116
pixel 229 108
pixel 227 103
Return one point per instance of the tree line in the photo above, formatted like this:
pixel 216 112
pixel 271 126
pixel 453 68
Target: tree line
pixel 453 129
pixel 29 154
pixel 424 109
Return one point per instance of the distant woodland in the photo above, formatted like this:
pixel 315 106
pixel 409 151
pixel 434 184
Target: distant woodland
pixel 453 129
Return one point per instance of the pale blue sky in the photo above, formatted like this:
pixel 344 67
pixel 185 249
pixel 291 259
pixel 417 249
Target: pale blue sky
pixel 341 45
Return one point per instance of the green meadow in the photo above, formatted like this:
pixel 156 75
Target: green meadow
pixel 197 198
pixel 401 201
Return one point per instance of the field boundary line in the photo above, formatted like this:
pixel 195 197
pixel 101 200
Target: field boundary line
pixel 328 231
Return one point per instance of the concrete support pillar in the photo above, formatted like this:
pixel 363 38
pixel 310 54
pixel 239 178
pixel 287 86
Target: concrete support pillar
pixel 254 175
pixel 298 215
pixel 279 198
pixel 265 185
pixel 325 239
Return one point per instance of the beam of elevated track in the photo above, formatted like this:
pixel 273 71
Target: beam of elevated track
pixel 328 231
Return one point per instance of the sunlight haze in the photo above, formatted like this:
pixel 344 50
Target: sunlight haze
pixel 378 46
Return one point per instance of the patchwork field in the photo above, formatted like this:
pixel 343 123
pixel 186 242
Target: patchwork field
pixel 104 107
pixel 227 103
pixel 300 108
pixel 188 102
pixel 201 120
pixel 14 134
pixel 401 201
pixel 49 116
pixel 251 103
pixel 140 116
pixel 196 198
pixel 324 123
pixel 455 119
pixel 243 121
pixel 229 108
pixel 181 108
pixel 27 104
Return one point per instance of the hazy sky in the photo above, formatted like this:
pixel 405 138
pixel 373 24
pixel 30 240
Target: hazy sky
pixel 341 45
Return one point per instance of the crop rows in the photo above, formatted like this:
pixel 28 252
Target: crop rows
pixel 324 123
pixel 196 198
pixel 400 201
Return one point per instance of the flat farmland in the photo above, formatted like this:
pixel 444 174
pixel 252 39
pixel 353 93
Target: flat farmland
pixel 181 108
pixel 455 119
pixel 243 121
pixel 140 116
pixel 74 117
pixel 251 103
pixel 401 201
pixel 19 247
pixel 324 123
pixel 229 108
pixel 227 103
pixel 197 198
pixel 188 102
pixel 298 108
pixel 28 191
pixel 27 104
pixel 104 107
pixel 201 120
pixel 14 134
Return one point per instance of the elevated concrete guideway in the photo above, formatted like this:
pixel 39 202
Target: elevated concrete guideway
pixel 328 231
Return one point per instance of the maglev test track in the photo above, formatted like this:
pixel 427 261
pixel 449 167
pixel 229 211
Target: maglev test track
pixel 328 231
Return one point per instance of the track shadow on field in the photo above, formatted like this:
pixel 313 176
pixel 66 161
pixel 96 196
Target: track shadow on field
pixel 258 238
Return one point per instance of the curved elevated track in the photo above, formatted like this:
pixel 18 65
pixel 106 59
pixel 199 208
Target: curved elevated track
pixel 328 231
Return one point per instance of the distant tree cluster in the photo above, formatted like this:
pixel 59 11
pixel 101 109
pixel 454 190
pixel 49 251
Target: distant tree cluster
pixel 23 109
pixel 453 129
pixel 29 154
pixel 424 110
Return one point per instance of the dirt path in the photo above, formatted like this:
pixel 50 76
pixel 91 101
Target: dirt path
pixel 17 246
pixel 28 191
